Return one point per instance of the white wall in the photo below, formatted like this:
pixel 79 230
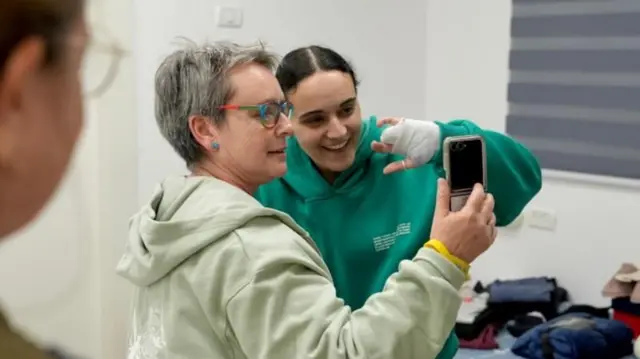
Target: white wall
pixel 597 219
pixel 57 276
pixel 385 41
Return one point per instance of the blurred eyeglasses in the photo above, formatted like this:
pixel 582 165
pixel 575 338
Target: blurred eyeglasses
pixel 101 63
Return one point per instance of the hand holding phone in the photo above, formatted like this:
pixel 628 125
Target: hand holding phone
pixel 465 164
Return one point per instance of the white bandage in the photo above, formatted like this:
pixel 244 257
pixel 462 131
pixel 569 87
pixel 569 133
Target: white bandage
pixel 418 140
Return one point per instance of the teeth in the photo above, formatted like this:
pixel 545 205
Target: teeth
pixel 337 147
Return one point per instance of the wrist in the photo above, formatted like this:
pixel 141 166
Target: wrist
pixel 439 247
pixel 447 130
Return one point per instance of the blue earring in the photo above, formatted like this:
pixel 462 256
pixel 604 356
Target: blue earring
pixel 215 145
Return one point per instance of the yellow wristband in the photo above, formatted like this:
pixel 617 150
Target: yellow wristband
pixel 439 247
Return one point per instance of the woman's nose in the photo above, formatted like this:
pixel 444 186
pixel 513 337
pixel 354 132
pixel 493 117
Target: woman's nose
pixel 284 127
pixel 336 128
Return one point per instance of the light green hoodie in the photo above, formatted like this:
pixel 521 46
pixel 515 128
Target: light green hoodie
pixel 219 276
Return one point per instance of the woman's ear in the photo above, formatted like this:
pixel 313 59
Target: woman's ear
pixel 204 131
pixel 22 65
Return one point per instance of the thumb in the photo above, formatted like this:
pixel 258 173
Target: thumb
pixel 391 135
pixel 443 199
pixel 388 121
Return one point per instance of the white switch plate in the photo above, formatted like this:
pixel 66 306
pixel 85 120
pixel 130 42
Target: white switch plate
pixel 229 17
pixel 542 218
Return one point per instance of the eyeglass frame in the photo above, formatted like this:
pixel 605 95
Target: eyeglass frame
pixel 111 48
pixel 262 108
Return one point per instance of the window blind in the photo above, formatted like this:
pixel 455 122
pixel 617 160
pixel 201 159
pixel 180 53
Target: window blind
pixel 574 88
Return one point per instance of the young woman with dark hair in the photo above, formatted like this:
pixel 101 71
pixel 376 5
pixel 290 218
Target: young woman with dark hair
pixel 340 184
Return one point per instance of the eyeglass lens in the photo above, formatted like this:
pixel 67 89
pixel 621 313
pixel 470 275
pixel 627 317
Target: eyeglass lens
pixel 270 112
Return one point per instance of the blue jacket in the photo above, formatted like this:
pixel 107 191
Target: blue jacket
pixel 576 336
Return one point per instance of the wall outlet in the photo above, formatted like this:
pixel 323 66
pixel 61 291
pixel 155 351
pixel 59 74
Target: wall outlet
pixel 229 17
pixel 542 218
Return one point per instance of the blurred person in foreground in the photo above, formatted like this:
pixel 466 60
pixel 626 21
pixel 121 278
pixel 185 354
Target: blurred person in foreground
pixel 42 44
pixel 218 275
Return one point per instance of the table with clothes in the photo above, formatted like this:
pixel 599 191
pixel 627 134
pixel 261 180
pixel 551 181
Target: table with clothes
pixel 533 318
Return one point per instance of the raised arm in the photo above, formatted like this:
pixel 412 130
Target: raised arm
pixel 513 173
pixel 290 311
pixel 289 308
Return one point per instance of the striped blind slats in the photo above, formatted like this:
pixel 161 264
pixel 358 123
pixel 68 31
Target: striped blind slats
pixel 574 89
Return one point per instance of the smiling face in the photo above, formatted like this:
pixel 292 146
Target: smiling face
pixel 326 120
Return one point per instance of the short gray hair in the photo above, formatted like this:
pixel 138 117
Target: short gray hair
pixel 194 80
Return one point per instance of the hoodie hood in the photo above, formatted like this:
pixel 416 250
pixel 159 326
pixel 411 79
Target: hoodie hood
pixel 185 215
pixel 304 178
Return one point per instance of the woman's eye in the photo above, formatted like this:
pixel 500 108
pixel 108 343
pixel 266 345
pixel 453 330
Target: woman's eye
pixel 254 113
pixel 345 112
pixel 314 121
pixel 272 111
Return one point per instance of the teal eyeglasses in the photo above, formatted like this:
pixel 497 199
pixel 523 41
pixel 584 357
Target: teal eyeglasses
pixel 269 112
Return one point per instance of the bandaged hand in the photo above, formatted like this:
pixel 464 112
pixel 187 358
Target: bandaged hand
pixel 417 140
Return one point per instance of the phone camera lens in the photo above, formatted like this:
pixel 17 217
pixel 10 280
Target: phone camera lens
pixel 457 146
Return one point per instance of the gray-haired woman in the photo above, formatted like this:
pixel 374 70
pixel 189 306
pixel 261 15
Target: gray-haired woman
pixel 220 276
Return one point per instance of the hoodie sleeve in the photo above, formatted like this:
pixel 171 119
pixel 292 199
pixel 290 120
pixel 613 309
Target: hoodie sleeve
pixel 513 173
pixel 290 310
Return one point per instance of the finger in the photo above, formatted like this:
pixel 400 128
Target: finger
pixel 397 166
pixel 388 121
pixel 492 233
pixel 381 147
pixel 443 199
pixel 492 220
pixel 476 199
pixel 487 207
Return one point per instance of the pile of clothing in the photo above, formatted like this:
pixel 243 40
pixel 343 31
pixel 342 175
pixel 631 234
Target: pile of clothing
pixel 537 312
pixel 576 336
pixel 624 291
pixel 523 303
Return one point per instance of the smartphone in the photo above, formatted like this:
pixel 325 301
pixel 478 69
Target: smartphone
pixel 465 164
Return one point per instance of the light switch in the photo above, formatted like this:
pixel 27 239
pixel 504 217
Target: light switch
pixel 229 17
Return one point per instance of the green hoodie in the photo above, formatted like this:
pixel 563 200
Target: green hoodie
pixel 365 223
pixel 217 275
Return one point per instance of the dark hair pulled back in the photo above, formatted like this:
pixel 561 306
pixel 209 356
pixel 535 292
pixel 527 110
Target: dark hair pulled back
pixel 303 62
